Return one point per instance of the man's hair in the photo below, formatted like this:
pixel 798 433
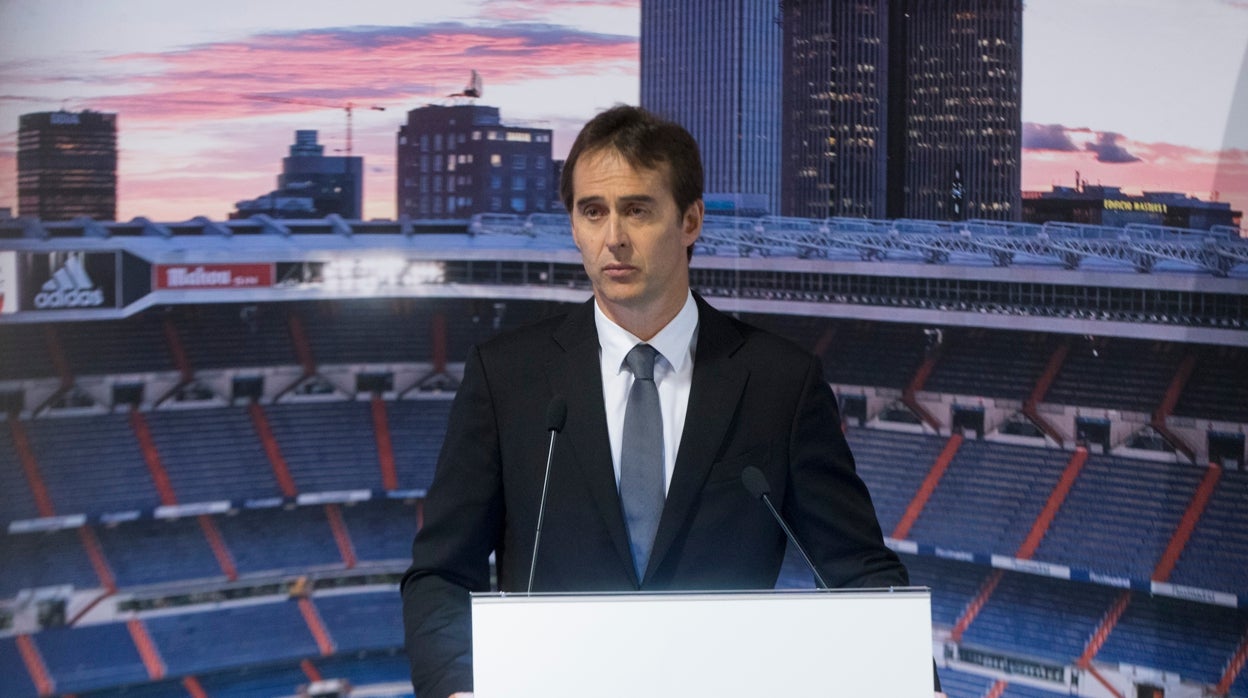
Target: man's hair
pixel 646 142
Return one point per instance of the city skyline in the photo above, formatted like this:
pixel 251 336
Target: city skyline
pixel 1139 99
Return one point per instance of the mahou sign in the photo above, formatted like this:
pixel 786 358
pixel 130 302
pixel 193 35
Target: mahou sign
pixel 196 277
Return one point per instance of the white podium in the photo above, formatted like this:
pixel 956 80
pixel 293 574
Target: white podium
pixel 721 645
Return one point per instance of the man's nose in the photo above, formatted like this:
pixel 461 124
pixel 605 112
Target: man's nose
pixel 616 235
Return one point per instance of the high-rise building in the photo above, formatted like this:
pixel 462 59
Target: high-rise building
pixel 312 185
pixel 67 165
pixel 455 161
pixel 713 66
pixel 835 108
pixel 902 108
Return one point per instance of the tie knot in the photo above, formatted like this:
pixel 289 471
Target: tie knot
pixel 640 361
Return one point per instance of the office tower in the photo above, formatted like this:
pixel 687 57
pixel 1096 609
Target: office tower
pixel 902 108
pixel 459 160
pixel 312 185
pixel 67 165
pixel 835 108
pixel 713 66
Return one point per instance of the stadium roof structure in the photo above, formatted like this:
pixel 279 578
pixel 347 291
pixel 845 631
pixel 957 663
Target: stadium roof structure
pixel 1139 281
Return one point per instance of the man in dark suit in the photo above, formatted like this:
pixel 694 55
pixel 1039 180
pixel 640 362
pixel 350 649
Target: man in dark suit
pixel 728 396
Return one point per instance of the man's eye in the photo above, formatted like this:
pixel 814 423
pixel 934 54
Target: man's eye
pixel 592 212
pixel 636 211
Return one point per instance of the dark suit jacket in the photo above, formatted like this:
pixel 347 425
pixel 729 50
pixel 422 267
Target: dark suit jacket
pixel 755 399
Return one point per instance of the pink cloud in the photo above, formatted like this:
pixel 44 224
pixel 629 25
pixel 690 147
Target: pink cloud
pixel 1138 166
pixel 368 65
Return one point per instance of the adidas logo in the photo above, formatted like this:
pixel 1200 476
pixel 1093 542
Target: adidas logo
pixel 69 287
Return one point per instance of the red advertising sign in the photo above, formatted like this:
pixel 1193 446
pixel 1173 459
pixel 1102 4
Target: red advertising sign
pixel 198 277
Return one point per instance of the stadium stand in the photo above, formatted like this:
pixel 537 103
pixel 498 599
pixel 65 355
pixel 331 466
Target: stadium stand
pixel 875 354
pixel 1119 516
pixel 133 345
pixel 34 560
pixel 1016 690
pixel 91 464
pixel 16 501
pixel 25 352
pixel 211 454
pixel 327 445
pixel 181 637
pixel 1217 387
pixel 989 496
pixel 989 363
pixel 234 335
pixel 953 584
pixel 276 541
pixel 14 679
pixel 91 656
pixel 1040 617
pixel 1217 553
pixel 363 621
pixel 892 464
pixel 416 426
pixel 153 552
pixel 1177 636
pixel 1121 374
pixel 961 684
pixel 382 530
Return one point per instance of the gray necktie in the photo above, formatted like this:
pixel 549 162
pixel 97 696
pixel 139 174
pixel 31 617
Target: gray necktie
pixel 641 459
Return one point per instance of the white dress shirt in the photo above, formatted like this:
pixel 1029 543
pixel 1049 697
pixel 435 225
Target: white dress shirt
pixel 673 375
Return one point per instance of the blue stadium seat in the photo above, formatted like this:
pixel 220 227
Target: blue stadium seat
pixel 1217 553
pixel 91 464
pixel 1040 617
pixel 159 551
pixel 212 454
pixel 1190 639
pixel 15 681
pixel 275 540
pixel 893 464
pixel 88 657
pixel 369 620
pixel 989 498
pixel 382 530
pixel 328 446
pixel 194 643
pixel 1120 516
pixel 962 684
pixel 33 560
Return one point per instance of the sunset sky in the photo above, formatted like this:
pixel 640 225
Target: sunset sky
pixel 1136 93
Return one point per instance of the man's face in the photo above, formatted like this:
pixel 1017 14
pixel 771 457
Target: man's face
pixel 633 239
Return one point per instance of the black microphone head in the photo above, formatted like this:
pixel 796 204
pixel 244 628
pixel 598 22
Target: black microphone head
pixel 755 482
pixel 556 414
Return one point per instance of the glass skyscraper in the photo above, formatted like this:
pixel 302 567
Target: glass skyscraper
pixel 713 66
pixel 902 108
pixel 67 165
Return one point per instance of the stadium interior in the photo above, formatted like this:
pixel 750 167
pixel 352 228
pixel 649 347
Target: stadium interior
pixel 218 499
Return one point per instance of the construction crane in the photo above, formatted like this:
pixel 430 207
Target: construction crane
pixel 349 107
pixel 473 89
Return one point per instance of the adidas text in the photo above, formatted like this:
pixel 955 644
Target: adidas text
pixel 73 298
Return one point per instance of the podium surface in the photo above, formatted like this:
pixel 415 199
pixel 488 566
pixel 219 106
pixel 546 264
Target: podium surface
pixel 723 644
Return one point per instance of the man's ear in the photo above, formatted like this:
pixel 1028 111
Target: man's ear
pixel 691 221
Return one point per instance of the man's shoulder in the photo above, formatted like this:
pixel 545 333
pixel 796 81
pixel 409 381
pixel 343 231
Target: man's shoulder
pixel 761 342
pixel 533 336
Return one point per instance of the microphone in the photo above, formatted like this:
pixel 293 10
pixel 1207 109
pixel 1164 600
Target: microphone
pixel 756 484
pixel 556 416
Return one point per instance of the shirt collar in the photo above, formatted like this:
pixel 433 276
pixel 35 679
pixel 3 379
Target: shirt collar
pixel 674 342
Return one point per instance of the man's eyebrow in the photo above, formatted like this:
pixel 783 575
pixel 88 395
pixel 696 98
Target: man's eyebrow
pixel 630 199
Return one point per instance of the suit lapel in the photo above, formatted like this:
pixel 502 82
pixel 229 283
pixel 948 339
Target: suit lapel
pixel 718 383
pixel 576 374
